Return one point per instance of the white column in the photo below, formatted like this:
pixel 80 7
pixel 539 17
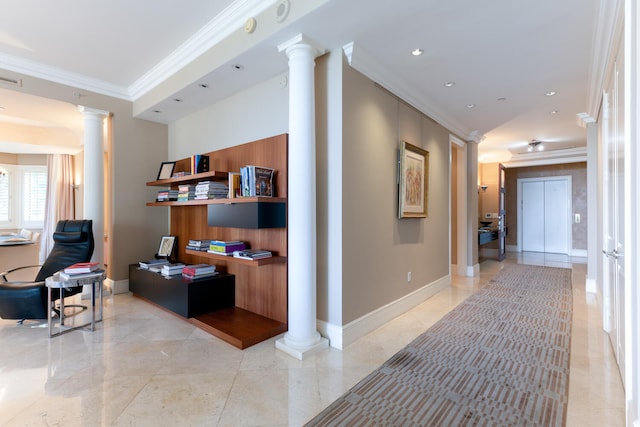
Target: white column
pixel 302 337
pixel 94 175
pixel 473 267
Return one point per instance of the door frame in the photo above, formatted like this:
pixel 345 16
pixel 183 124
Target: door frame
pixel 567 178
pixel 461 200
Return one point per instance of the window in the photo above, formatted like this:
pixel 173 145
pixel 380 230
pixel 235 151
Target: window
pixel 23 192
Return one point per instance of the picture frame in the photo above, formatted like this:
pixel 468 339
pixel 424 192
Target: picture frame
pixel 167 243
pixel 413 185
pixel 166 170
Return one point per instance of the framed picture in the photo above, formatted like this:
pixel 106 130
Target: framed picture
pixel 166 246
pixel 166 170
pixel 413 186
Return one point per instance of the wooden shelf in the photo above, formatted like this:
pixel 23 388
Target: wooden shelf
pixel 239 327
pixel 211 175
pixel 221 201
pixel 254 263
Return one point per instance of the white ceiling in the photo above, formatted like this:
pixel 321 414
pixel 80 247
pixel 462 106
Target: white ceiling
pixel 503 56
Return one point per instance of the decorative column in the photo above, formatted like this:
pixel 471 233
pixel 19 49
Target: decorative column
pixel 302 337
pixel 473 267
pixel 94 175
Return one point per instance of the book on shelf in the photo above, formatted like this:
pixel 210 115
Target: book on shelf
pixel 225 248
pixel 172 269
pixel 198 245
pixel 252 254
pixel 81 267
pixel 199 276
pixel 198 269
pixel 199 163
pixel 257 181
pixel 148 263
pixel 235 185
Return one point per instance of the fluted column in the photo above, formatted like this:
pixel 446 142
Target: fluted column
pixel 302 337
pixel 94 175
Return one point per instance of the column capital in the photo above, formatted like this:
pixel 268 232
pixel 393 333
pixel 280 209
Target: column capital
pixel 301 41
pixel 476 137
pixel 93 111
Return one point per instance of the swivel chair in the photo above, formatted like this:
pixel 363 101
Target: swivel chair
pixel 73 242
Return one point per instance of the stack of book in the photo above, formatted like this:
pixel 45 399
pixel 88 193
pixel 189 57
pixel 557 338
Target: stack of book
pixel 79 270
pixel 198 245
pixel 152 262
pixel 211 190
pixel 186 192
pixel 172 269
pixel 167 195
pixel 197 271
pixel 252 254
pixel 220 247
pixel 257 181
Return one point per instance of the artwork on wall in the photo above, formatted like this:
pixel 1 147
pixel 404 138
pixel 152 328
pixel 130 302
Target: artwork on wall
pixel 413 195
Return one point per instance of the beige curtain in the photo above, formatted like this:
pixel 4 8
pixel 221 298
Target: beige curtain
pixel 60 198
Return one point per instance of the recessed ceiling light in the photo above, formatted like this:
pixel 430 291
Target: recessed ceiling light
pixel 502 99
pixel 177 100
pixel 471 105
pixel 157 111
pixel 238 67
pixel 555 112
pixel 203 85
pixel 550 93
pixel 449 84
pixel 417 52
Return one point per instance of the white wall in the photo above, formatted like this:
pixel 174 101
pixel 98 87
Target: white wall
pixel 256 113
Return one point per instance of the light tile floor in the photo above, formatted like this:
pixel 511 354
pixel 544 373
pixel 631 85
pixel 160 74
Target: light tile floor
pixel 145 367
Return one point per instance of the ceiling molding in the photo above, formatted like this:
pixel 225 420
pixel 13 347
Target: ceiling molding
pixel 365 63
pixel 220 27
pixel 551 157
pixel 608 35
pixel 58 75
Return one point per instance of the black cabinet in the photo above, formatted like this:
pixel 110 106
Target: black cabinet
pixel 188 298
pixel 259 214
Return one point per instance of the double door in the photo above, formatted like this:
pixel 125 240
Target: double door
pixel 545 214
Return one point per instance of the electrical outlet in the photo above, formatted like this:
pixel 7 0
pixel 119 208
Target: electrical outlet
pixel 577 218
pixel 408 277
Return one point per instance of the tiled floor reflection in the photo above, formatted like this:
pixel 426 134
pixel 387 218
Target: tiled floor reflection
pixel 145 367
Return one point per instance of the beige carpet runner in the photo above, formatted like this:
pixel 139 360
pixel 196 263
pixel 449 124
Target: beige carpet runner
pixel 501 358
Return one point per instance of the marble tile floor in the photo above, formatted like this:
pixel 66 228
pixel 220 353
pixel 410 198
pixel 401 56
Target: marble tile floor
pixel 145 367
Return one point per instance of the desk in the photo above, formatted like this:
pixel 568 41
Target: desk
pixel 55 281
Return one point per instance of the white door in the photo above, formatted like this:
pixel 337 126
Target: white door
pixel 613 195
pixel 545 214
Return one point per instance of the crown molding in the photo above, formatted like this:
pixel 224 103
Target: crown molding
pixel 365 63
pixel 550 157
pixel 229 20
pixel 58 75
pixel 608 35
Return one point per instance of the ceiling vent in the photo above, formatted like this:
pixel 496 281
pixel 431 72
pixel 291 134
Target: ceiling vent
pixel 10 82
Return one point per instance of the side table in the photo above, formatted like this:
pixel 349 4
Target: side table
pixel 94 278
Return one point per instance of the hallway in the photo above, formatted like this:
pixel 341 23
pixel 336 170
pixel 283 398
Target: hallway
pixel 145 367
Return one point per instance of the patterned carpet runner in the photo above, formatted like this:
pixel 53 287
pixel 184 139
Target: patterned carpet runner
pixel 501 358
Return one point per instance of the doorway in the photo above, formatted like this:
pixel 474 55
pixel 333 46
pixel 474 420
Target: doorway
pixel 544 219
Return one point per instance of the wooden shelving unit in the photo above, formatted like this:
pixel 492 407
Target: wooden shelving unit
pixel 260 310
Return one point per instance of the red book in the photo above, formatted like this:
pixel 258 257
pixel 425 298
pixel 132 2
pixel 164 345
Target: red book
pixel 82 267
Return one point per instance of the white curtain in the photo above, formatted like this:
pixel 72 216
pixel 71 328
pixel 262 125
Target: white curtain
pixel 60 198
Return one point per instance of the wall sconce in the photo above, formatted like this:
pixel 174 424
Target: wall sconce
pixel 482 188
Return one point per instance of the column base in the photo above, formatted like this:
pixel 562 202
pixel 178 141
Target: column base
pixel 300 352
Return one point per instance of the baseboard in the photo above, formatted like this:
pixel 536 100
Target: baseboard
pixel 119 286
pixel 340 337
pixel 473 271
pixel 579 253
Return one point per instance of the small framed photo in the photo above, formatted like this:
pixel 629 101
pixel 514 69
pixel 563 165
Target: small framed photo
pixel 413 186
pixel 167 244
pixel 166 170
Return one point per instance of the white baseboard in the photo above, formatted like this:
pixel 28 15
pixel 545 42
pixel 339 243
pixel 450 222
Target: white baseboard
pixel 342 336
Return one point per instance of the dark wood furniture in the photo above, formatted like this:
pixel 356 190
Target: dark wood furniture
pixel 188 298
pixel 260 310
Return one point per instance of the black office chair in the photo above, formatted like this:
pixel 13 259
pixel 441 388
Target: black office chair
pixel 73 242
